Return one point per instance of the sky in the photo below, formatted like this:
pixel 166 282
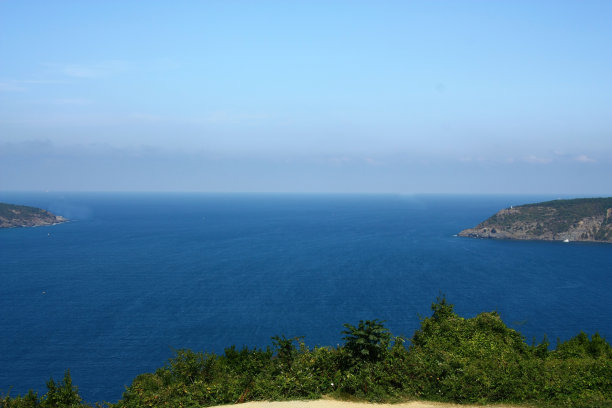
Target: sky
pixel 462 97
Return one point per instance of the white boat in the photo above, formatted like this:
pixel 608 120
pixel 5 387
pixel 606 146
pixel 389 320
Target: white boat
pixel 566 240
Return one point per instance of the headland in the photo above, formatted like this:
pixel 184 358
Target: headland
pixel 13 216
pixel 583 219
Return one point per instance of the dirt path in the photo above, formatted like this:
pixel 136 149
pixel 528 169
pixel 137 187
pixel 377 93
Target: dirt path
pixel 329 403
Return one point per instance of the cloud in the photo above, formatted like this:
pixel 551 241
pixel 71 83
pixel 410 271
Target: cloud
pixel 372 162
pixel 480 159
pixel 11 86
pixel 26 148
pixel 537 160
pixel 145 117
pixel 557 157
pixel 72 101
pixel 164 65
pixel 338 161
pixel 232 117
pixel 20 85
pixel 573 157
pixel 583 158
pixel 43 81
pixel 96 70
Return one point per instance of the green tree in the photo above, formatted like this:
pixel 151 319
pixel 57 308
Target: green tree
pixel 368 341
pixel 286 350
pixel 62 394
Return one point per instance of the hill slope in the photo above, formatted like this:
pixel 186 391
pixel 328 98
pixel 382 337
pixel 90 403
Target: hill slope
pixel 23 216
pixel 583 219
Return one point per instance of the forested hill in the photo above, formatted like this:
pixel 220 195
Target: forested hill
pixel 23 216
pixel 583 219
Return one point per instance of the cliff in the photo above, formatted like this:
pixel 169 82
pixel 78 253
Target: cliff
pixel 23 216
pixel 584 219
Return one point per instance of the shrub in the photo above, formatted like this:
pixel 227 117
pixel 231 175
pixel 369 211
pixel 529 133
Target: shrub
pixel 59 395
pixel 62 394
pixel 285 348
pixel 581 346
pixel 368 341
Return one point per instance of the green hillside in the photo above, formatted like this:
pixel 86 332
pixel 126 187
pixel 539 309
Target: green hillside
pixel 582 219
pixel 556 215
pixel 12 215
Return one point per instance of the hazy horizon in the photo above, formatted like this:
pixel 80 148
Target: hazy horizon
pixel 505 97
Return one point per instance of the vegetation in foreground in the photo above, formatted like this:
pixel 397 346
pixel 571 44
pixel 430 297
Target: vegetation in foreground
pixel 450 358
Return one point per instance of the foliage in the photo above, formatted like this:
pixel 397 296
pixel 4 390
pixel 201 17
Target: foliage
pixel 62 394
pixel 556 216
pixel 450 358
pixel 581 347
pixel 366 342
pixel 59 395
pixel 23 216
pixel 286 350
pixel 12 210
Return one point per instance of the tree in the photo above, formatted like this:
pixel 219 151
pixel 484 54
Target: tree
pixel 368 341
pixel 62 394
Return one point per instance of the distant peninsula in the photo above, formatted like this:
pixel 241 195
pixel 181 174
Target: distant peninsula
pixel 583 219
pixel 12 216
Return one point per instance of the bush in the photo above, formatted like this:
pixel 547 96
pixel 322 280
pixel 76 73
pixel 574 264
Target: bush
pixel 368 341
pixel 62 394
pixel 581 346
pixel 59 395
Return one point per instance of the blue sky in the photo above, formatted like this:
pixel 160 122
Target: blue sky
pixel 307 96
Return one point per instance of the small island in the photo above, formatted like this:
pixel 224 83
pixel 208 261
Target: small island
pixel 583 219
pixel 12 216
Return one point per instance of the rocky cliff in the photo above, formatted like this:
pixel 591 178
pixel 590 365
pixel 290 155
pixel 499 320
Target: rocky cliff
pixel 23 216
pixel 584 219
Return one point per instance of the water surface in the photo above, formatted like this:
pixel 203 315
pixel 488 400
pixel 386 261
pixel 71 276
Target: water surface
pixel 134 276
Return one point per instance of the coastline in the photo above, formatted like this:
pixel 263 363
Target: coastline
pixel 35 225
pixel 467 233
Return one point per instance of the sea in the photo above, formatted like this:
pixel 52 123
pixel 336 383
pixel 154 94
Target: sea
pixel 133 277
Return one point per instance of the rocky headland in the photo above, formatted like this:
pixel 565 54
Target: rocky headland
pixel 583 219
pixel 12 216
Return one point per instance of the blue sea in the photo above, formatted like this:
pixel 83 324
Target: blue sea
pixel 134 277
